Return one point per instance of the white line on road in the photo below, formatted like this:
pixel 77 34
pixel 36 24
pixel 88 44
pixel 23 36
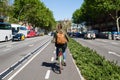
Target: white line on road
pixel 52 59
pixel 114 53
pixel 47 74
pixel 54 52
pixel 27 63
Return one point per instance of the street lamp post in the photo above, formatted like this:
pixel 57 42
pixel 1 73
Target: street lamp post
pixel 21 11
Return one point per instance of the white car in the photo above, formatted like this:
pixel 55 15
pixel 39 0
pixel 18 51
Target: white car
pixel 89 35
pixel 118 37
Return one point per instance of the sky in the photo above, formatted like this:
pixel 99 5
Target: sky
pixel 11 2
pixel 62 9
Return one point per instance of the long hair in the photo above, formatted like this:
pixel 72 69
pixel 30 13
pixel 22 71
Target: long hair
pixel 58 27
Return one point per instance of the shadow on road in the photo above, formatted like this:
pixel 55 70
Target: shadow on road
pixel 54 66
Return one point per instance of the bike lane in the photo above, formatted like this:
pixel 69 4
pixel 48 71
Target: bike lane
pixel 44 67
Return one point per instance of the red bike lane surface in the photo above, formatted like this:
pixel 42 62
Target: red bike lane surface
pixel 45 67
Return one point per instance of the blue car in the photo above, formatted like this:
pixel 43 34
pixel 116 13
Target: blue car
pixel 18 37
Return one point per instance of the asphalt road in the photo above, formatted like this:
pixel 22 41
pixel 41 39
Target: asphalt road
pixel 11 52
pixel 39 66
pixel 110 49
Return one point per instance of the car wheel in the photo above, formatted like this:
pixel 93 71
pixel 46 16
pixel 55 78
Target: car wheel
pixel 6 39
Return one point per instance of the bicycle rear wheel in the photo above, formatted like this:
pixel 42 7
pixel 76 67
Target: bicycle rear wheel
pixel 60 63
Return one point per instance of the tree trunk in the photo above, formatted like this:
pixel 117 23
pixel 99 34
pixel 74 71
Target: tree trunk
pixel 117 22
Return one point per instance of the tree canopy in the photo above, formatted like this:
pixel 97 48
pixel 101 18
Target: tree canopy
pixel 4 7
pixel 94 11
pixel 34 12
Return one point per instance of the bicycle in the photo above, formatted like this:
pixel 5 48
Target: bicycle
pixel 60 60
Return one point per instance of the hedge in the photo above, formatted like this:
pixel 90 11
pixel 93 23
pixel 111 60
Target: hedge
pixel 91 64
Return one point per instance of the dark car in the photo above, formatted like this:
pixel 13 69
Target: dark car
pixel 18 37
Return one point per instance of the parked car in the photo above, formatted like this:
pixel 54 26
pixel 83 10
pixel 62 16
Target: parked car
pixel 115 35
pixel 104 34
pixel 18 37
pixel 118 37
pixel 31 33
pixel 89 35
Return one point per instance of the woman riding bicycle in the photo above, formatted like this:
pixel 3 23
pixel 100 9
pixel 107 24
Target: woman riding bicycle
pixel 63 46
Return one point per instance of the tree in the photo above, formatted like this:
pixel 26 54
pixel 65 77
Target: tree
pixel 112 7
pixel 3 7
pixel 34 12
pixel 92 11
pixel 109 7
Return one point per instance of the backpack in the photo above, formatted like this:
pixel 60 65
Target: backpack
pixel 61 39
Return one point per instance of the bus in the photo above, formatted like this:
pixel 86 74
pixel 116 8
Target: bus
pixel 16 28
pixel 5 31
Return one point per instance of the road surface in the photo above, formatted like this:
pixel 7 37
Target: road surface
pixel 40 65
pixel 110 49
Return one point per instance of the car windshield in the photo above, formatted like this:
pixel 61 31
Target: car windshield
pixel 90 32
pixel 18 34
pixel 5 26
pixel 22 28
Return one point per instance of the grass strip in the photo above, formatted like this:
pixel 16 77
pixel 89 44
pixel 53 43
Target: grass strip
pixel 91 64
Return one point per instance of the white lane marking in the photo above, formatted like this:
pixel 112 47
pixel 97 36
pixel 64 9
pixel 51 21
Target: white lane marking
pixel 27 63
pixel 114 53
pixel 54 52
pixel 52 59
pixel 47 74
